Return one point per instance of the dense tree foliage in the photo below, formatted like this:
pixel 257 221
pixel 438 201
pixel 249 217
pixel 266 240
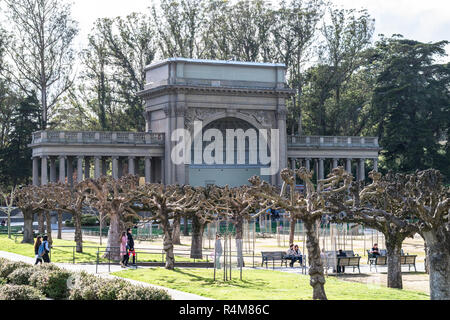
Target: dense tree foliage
pixel 346 84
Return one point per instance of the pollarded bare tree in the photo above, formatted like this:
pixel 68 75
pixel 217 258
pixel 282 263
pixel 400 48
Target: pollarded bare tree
pixel 429 200
pixel 9 198
pixel 309 208
pixel 238 205
pixel 164 203
pixel 202 210
pixel 70 199
pixel 381 206
pixel 29 201
pixel 113 198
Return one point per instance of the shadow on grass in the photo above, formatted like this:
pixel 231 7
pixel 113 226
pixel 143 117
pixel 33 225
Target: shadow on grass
pixel 234 282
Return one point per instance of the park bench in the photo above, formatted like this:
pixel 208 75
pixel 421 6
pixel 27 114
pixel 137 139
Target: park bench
pixel 409 261
pixel 349 262
pixel 273 255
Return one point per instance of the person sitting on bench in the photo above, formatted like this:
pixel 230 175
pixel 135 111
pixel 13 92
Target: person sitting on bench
pixel 293 254
pixel 375 251
pixel 340 255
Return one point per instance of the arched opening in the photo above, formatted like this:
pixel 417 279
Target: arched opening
pixel 227 153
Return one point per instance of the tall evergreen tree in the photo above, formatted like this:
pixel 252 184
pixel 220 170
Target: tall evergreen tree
pixel 412 104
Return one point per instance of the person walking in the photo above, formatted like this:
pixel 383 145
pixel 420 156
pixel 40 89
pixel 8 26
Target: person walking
pixel 130 245
pixel 46 249
pixel 218 250
pixel 123 249
pixel 37 245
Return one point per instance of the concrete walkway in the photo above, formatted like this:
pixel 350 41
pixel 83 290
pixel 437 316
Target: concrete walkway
pixel 103 272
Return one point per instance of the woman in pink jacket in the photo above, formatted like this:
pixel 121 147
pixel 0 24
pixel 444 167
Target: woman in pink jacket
pixel 123 249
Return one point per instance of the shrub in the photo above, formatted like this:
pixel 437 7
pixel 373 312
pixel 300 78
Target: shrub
pixel 53 283
pixel 48 267
pixel 7 268
pixel 87 220
pixel 16 292
pixel 84 287
pixel 89 287
pixel 2 281
pixel 132 292
pixel 21 276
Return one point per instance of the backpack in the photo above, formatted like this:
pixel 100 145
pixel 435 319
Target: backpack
pixel 41 249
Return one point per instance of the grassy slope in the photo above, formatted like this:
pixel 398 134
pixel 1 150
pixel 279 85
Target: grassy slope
pixel 263 284
pixel 65 255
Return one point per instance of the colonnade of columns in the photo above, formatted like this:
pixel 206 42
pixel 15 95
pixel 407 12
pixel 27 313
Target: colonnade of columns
pixel 319 165
pixel 153 168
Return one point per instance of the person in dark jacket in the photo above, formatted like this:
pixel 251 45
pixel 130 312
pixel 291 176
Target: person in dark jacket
pixel 37 244
pixel 130 246
pixel 46 249
pixel 341 254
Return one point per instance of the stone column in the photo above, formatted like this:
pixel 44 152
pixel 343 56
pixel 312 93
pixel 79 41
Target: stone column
pixel 308 163
pixel 163 174
pixel 300 162
pixel 335 163
pixel 87 168
pixel 62 169
pixel 80 168
pixel 115 167
pixel 321 169
pixel 180 112
pixel 97 169
pixel 348 166
pixel 375 164
pixel 70 171
pixel 52 170
pixel 281 118
pixel 120 167
pixel 362 173
pixel 131 165
pixel 316 168
pixel 148 169
pixel 35 171
pixel 44 172
pixel 293 163
pixel 104 167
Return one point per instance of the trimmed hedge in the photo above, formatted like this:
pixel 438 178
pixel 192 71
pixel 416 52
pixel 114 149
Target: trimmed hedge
pixel 56 283
pixel 17 292
pixel 142 293
pixel 52 283
pixel 6 268
pixel 90 287
pixel 21 276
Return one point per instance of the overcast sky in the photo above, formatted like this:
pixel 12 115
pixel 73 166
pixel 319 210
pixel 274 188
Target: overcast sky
pixel 423 20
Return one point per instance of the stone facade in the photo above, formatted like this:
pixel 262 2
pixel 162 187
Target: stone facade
pixel 178 92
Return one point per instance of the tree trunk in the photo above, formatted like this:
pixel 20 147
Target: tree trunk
pixel 28 217
pixel 78 234
pixel 239 232
pixel 113 245
pixel 186 227
pixel 438 244
pixel 41 226
pixel 427 260
pixel 168 243
pixel 59 225
pixel 292 230
pixel 394 269
pixel 176 231
pixel 197 239
pixel 317 279
pixel 48 224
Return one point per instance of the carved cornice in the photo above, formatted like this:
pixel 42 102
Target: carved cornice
pixel 281 92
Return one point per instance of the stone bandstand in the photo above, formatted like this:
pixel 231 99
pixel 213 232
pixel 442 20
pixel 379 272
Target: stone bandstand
pixel 222 95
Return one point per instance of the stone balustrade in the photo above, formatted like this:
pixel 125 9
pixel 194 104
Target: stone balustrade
pixel 335 142
pixel 97 137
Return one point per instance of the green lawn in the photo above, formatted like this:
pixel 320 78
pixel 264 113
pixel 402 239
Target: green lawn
pixel 263 284
pixel 65 255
